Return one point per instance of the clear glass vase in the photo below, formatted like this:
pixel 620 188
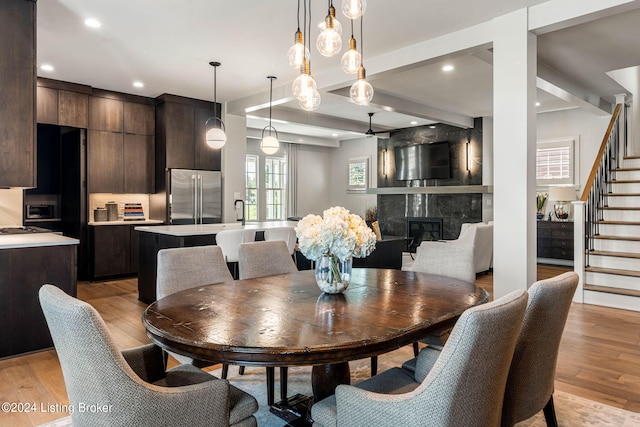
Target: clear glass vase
pixel 333 275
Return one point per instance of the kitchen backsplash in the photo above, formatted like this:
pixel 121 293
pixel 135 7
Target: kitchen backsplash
pixel 99 200
pixel 11 206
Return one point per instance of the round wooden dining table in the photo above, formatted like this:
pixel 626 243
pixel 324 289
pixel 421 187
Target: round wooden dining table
pixel 285 320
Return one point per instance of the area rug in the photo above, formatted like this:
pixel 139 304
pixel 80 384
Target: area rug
pixel 572 411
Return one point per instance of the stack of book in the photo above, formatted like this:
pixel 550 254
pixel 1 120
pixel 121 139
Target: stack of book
pixel 133 212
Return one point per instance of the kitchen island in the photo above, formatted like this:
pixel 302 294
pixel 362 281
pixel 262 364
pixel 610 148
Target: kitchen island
pixel 154 238
pixel 27 261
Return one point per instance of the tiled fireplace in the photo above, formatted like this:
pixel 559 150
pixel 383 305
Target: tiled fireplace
pixel 423 228
pixel 396 207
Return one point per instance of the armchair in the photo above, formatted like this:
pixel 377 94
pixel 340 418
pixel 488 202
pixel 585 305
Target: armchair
pixel 132 385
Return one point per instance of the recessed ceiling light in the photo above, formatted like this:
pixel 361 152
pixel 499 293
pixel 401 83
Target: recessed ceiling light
pixel 413 122
pixel 92 22
pixel 334 135
pixel 138 84
pixel 432 127
pixel 537 104
pixel 447 68
pixel 46 67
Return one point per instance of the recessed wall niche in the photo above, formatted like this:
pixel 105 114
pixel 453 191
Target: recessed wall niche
pixel 465 151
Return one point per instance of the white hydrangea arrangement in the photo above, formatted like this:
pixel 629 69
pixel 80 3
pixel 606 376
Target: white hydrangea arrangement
pixel 337 233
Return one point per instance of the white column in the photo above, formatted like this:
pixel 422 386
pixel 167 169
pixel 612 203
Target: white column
pixel 579 211
pixel 622 131
pixel 514 145
pixel 234 153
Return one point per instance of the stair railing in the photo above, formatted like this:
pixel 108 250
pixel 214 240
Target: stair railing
pixel 598 185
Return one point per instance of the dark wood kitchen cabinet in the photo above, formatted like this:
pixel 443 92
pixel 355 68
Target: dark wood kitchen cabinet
pixel 106 114
pixel 110 250
pixel 180 134
pixel 62 103
pixel 139 119
pixel 105 160
pixel 113 250
pixel 24 271
pixel 121 153
pixel 47 105
pixel 120 163
pixel 73 109
pixel 18 89
pixel 139 163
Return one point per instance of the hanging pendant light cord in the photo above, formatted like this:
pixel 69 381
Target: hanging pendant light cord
pixel 270 101
pixel 215 104
pixel 298 15
pixel 361 41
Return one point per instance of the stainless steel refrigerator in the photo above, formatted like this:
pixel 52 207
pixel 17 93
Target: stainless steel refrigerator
pixel 195 196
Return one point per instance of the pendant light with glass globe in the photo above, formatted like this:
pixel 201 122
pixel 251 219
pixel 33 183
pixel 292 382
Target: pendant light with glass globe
pixel 304 86
pixel 361 91
pixel 215 134
pixel 298 53
pixel 351 59
pixel 270 144
pixel 329 41
pixel 354 9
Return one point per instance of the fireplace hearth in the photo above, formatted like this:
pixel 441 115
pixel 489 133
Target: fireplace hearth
pixel 420 229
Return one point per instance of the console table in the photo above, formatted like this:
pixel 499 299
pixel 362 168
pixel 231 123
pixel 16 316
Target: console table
pixel 555 241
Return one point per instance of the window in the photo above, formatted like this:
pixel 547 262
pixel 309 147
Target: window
pixel 266 185
pixel 251 197
pixel 275 177
pixel 358 174
pixel 555 162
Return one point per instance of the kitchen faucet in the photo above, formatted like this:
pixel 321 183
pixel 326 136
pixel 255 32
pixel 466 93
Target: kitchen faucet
pixel 235 207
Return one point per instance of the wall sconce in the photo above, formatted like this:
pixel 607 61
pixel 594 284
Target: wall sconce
pixel 469 153
pixel 385 162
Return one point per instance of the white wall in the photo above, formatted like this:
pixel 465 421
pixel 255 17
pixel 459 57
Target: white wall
pixel 356 202
pixel 587 127
pixel 234 153
pixel 314 179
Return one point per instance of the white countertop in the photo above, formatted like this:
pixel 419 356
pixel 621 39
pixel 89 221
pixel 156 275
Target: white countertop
pixel 123 222
pixel 205 229
pixel 12 241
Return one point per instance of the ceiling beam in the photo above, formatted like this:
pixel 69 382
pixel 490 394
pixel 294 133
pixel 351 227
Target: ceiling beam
pixel 390 102
pixel 562 87
pixel 555 15
pixel 296 139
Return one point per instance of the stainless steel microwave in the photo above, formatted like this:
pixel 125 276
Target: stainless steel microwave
pixel 40 211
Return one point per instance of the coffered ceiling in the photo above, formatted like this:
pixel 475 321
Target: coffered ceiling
pixel 167 45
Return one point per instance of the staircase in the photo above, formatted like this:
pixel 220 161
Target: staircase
pixel 612 271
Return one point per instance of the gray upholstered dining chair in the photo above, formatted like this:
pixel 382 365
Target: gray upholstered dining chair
pixel 531 377
pixel 266 258
pixel 530 383
pixel 454 392
pixel 446 258
pixel 229 241
pixel 260 259
pixel 186 268
pixel 133 383
pixel 451 259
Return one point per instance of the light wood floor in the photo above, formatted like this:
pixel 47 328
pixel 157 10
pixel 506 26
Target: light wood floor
pixel 599 355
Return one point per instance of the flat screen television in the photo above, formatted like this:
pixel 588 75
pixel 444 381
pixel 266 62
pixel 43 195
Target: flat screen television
pixel 423 161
